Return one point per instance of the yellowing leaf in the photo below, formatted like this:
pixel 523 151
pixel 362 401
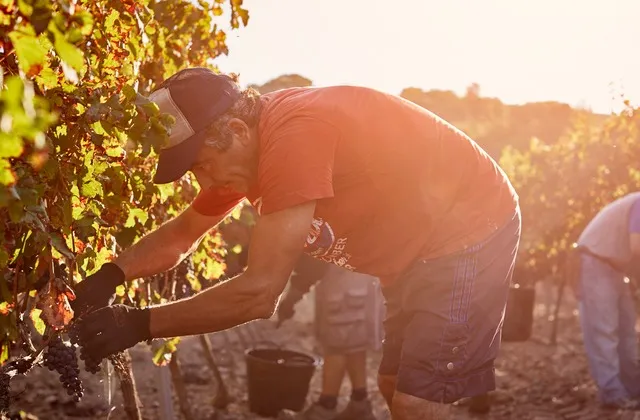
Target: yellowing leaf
pixel 236 212
pixel 4 308
pixel 54 304
pixel 31 54
pixel 10 147
pixel 7 177
pixel 37 321
pixel 244 15
pixel 163 354
pixel 4 353
pixel 47 78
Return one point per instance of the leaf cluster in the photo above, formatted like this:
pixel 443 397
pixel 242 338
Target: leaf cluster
pixel 78 136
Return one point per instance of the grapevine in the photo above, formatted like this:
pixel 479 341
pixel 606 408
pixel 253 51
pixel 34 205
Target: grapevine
pixel 77 149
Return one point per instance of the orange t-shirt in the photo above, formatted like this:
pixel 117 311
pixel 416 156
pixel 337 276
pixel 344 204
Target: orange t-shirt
pixel 393 182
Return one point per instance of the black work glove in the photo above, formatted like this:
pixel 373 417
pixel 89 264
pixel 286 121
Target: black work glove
pixel 286 308
pixel 97 290
pixel 110 330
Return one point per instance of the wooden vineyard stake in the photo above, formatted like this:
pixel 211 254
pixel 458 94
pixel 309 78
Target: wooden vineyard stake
pixel 179 386
pixel 122 366
pixel 221 399
pixel 166 400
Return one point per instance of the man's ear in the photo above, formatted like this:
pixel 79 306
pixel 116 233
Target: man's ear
pixel 240 130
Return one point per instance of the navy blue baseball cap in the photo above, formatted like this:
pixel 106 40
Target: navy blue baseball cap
pixel 195 97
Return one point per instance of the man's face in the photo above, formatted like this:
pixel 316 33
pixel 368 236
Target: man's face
pixel 234 168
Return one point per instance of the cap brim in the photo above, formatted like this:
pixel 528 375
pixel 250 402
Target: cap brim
pixel 174 162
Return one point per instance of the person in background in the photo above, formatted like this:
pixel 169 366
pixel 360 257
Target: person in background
pixel 609 251
pixel 348 320
pixel 348 323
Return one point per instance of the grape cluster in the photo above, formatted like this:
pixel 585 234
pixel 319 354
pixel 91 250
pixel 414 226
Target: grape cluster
pixel 61 357
pixel 90 365
pixel 4 392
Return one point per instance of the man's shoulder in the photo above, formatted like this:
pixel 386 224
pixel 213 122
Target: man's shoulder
pixel 333 105
pixel 616 212
pixel 309 97
pixel 298 108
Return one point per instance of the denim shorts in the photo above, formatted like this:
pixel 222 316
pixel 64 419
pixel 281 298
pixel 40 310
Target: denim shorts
pixel 444 319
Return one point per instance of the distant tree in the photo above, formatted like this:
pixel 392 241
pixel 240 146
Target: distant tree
pixel 494 124
pixel 283 82
pixel 473 91
pixel 564 184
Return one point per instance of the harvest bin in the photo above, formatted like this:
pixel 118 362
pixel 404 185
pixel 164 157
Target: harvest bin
pixel 518 319
pixel 278 379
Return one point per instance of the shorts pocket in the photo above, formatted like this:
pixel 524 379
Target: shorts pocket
pixel 356 299
pixel 333 302
pixel 453 354
pixel 344 323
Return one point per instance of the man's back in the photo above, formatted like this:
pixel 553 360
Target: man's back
pixel 607 234
pixel 404 181
pixel 392 182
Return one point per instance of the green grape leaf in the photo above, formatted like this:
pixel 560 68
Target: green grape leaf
pixel 92 188
pixel 58 242
pixel 68 52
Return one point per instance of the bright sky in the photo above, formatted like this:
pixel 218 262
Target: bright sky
pixel 517 50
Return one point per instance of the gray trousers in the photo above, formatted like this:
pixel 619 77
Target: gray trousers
pixel 608 320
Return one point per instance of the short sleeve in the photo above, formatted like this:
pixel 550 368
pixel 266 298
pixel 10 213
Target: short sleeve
pixel 634 217
pixel 216 201
pixel 297 164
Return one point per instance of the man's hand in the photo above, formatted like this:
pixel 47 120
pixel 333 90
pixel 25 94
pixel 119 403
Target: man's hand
pixel 110 330
pixel 97 290
pixel 286 307
pixel 308 271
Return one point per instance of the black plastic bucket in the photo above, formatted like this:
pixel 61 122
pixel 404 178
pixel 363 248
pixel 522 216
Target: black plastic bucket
pixel 518 319
pixel 278 379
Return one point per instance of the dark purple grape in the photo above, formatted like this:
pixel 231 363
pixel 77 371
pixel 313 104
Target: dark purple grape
pixel 61 357
pixel 4 392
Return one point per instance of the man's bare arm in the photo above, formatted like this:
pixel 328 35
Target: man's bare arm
pixel 634 268
pixel 166 246
pixel 634 240
pixel 276 244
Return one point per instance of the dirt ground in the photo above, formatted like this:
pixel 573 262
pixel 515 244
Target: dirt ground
pixel 535 380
